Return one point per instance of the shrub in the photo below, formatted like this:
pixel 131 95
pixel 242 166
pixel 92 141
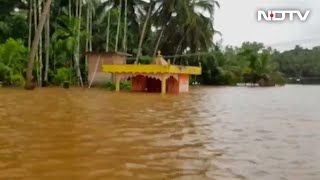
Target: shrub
pixel 278 78
pixel 108 85
pixel 125 86
pixel 63 75
pixel 17 80
pixel 4 73
pixel 13 60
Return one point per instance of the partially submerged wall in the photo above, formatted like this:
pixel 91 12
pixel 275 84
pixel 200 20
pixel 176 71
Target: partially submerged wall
pixel 101 77
pixel 184 83
pixel 141 83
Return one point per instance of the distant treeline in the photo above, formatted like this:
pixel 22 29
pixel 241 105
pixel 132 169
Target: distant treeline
pixel 253 61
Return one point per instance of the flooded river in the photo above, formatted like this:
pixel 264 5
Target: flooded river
pixel 211 133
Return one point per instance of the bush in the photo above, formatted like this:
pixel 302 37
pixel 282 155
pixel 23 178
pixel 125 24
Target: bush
pixel 226 78
pixel 125 86
pixel 13 60
pixel 278 78
pixel 4 73
pixel 108 85
pixel 17 80
pixel 63 75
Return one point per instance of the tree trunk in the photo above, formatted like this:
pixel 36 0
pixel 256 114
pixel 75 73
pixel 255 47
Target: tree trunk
pixel 35 44
pixel 143 33
pixel 35 15
pixel 77 49
pixel 124 42
pixel 77 8
pixel 158 41
pixel 87 38
pixel 108 32
pixel 118 27
pixel 40 46
pixel 180 43
pixel 30 23
pixel 91 24
pixel 47 47
pixel 70 13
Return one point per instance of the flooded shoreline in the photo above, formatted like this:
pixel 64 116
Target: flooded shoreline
pixel 209 133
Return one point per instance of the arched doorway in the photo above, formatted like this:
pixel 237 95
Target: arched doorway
pixel 172 85
pixel 153 85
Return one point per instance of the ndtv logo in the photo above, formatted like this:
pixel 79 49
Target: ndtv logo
pixel 282 15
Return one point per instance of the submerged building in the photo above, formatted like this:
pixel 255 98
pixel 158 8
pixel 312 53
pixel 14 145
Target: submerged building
pixel 97 59
pixel 161 76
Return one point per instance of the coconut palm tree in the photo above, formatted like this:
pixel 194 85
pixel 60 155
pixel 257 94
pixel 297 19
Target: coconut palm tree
pixel 35 43
pixel 151 5
pixel 192 29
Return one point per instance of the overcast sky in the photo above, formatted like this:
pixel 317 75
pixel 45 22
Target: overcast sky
pixel 237 21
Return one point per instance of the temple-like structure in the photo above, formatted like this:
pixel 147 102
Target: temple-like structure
pixel 160 76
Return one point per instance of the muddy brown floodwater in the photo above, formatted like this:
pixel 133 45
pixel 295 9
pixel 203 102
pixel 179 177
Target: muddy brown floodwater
pixel 211 133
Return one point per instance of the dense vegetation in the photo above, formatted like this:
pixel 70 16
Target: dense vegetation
pixel 176 27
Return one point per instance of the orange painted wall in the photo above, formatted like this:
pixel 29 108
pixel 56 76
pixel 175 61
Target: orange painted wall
pixel 183 83
pixel 172 85
pixel 139 83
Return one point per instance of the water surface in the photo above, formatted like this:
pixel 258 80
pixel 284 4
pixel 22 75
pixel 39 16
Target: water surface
pixel 210 133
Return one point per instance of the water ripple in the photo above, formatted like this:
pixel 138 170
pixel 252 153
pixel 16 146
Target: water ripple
pixel 209 133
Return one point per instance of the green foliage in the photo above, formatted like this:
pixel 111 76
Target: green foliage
pixel 189 28
pixel 64 40
pixel 299 62
pixel 13 60
pixel 251 63
pixel 4 73
pixel 126 85
pixel 145 60
pixel 13 26
pixel 17 80
pixel 109 85
pixel 278 78
pixel 14 55
pixel 273 66
pixel 62 75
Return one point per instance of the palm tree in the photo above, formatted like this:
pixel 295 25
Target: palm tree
pixel 30 3
pixel 109 10
pixel 119 24
pixel 39 3
pixel 79 4
pixel 192 29
pixel 125 26
pixel 47 48
pixel 65 40
pixel 35 43
pixel 151 6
